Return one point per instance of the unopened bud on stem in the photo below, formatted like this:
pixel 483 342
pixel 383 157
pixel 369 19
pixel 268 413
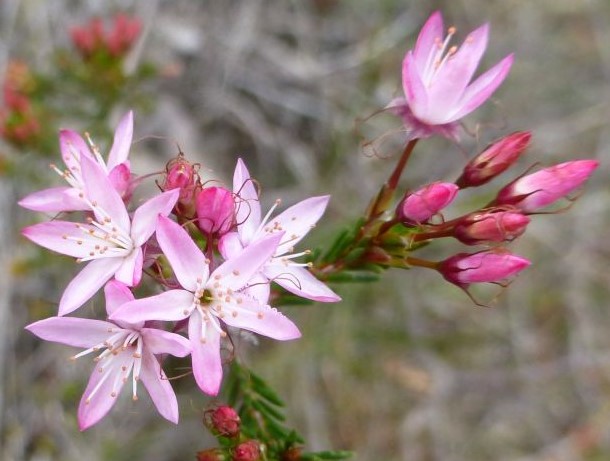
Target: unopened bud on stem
pixel 490 226
pixel 419 206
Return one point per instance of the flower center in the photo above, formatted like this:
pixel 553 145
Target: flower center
pixel 439 54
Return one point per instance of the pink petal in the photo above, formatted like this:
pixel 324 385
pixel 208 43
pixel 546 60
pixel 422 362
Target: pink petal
pixel 73 147
pixel 237 272
pixel 97 401
pixel 483 87
pixel 62 237
pixel 54 200
pixel 185 257
pixel 145 217
pixel 72 331
pixel 87 283
pixel 99 190
pixel 116 294
pixel 130 271
pixel 122 141
pixel 251 315
pixel 158 387
pixel 247 204
pixel 170 305
pixel 259 288
pixel 450 81
pixel 207 365
pixel 120 178
pixel 230 245
pixel 297 221
pixel 427 41
pixel 413 86
pixel 301 282
pixel 164 342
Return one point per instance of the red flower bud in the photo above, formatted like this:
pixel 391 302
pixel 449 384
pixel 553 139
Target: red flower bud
pixel 421 205
pixel 213 454
pixel 222 421
pixel 496 158
pixel 485 266
pixel 537 190
pixel 247 451
pixel 215 210
pixel 181 174
pixel 490 226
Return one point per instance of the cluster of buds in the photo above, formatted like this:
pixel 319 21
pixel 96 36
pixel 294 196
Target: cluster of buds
pixel 215 276
pixel 498 222
pixel 93 38
pixel 19 122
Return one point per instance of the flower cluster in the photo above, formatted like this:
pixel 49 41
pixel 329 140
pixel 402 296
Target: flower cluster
pixel 92 38
pixel 202 294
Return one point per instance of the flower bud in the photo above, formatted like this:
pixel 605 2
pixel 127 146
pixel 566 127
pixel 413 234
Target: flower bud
pixel 421 205
pixel 485 266
pixel 215 210
pixel 496 158
pixel 181 174
pixel 537 190
pixel 213 454
pixel 247 451
pixel 223 421
pixel 490 226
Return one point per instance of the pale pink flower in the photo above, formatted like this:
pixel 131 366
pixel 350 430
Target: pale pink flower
pixel 485 266
pixel 436 80
pixel 537 190
pixel 421 205
pixel 73 150
pixel 295 223
pixel 122 349
pixel 111 240
pixel 210 300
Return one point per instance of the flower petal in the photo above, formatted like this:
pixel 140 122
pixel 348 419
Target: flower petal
pixel 301 282
pixel 107 202
pixel 120 178
pixel 247 204
pixel 158 387
pixel 164 342
pixel 116 294
pixel 87 283
pixel 452 78
pixel 259 288
pixel 54 200
pixel 483 87
pixel 130 271
pixel 62 237
pixel 235 273
pixel 207 365
pixel 73 147
pixel 103 388
pixel 72 331
pixel 413 86
pixel 169 305
pixel 427 41
pixel 122 141
pixel 251 315
pixel 145 217
pixel 185 257
pixel 230 245
pixel 297 221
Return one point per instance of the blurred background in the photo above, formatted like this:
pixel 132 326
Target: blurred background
pixel 404 369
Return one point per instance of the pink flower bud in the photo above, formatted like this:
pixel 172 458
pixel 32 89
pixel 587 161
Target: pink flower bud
pixel 496 158
pixel 213 454
pixel 223 421
pixel 421 205
pixel 215 210
pixel 181 174
pixel 485 266
pixel 247 451
pixel 537 190
pixel 490 226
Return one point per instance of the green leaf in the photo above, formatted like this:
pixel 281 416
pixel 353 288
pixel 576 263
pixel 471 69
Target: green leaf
pixel 354 276
pixel 322 455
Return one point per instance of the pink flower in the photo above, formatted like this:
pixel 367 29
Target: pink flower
pixel 294 223
pixel 436 80
pixel 215 210
pixel 485 266
pixel 73 150
pixel 490 226
pixel 247 451
pixel 111 241
pixel 421 205
pixel 123 348
pixel 495 159
pixel 210 300
pixel 537 190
